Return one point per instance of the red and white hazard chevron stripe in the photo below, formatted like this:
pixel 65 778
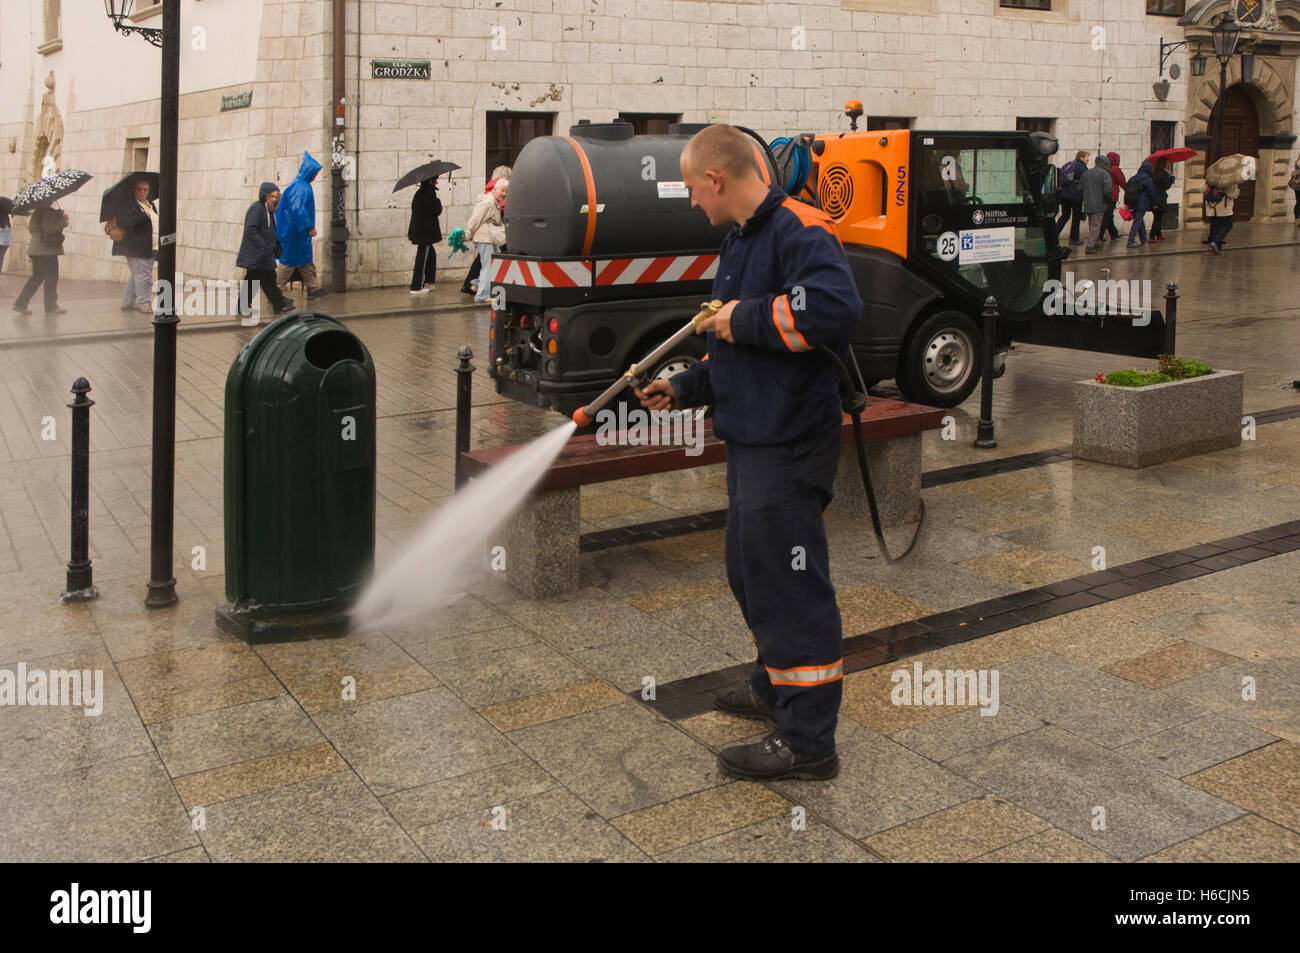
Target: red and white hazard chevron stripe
pixel 644 271
pixel 542 274
pixel 612 271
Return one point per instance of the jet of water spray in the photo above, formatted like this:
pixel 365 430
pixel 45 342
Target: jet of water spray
pixel 430 570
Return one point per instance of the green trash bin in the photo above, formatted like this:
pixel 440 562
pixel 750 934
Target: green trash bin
pixel 299 480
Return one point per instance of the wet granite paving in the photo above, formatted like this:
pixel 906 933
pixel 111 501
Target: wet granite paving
pixel 507 728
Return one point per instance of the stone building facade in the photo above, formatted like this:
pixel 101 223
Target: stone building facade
pixel 258 82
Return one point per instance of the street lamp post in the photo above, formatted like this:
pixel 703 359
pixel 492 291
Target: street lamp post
pixel 162 584
pixel 1225 34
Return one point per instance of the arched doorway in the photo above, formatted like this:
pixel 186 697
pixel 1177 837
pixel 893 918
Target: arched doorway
pixel 1240 135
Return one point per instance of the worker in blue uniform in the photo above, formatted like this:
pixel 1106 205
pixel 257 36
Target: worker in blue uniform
pixel 788 290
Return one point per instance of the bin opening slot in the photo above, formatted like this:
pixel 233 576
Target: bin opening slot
pixel 326 349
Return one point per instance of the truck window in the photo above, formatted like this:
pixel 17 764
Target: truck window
pixel 980 218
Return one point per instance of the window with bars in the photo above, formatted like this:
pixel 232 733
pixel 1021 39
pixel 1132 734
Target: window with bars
pixel 509 132
pixel 1166 8
pixel 1026 4
pixel 1162 134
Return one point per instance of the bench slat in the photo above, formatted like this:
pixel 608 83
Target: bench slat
pixel 585 461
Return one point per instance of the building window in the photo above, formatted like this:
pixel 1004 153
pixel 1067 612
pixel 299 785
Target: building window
pixel 145 9
pixel 888 122
pixel 1166 8
pixel 1034 124
pixel 137 155
pixel 1026 4
pixel 53 17
pixel 651 124
pixel 1162 135
pixel 509 132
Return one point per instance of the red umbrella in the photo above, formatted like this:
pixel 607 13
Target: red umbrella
pixel 1173 155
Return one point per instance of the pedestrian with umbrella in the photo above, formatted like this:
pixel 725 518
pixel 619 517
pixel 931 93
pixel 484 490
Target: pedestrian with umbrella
pixel 425 229
pixel 46 228
pixel 133 225
pixel 1164 181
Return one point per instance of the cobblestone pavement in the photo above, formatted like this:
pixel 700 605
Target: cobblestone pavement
pixel 1134 704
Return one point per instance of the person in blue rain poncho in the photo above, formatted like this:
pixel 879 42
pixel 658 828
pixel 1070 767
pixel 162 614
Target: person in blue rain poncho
pixel 295 227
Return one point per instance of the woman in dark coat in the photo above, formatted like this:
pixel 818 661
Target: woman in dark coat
pixel 6 228
pixel 424 232
pixel 1164 180
pixel 136 218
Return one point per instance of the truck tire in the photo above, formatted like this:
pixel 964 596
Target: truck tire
pixel 940 363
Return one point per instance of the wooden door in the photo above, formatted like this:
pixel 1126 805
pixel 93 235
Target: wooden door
pixel 1240 135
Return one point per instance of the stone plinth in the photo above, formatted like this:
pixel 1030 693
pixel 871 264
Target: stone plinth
pixel 541 543
pixel 895 467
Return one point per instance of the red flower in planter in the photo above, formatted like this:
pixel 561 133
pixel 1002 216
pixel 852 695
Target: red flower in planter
pixel 1100 378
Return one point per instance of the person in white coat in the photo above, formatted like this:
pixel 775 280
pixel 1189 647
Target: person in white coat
pixel 486 229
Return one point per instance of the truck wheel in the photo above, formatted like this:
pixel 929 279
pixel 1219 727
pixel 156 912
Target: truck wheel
pixel 940 364
pixel 670 365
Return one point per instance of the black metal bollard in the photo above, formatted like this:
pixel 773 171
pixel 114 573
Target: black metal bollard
pixel 1171 317
pixel 80 576
pixel 464 380
pixel 984 435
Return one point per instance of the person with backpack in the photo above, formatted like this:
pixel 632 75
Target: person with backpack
pixel 1096 195
pixel 1117 183
pixel 1219 210
pixel 1164 180
pixel 1071 189
pixel 1140 196
pixel 1294 185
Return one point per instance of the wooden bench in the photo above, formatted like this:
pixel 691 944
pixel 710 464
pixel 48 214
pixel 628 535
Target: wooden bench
pixel 541 540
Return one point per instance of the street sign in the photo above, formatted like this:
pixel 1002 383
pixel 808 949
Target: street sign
pixel 399 69
pixel 237 100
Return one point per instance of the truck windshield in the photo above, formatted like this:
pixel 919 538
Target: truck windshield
pixel 980 219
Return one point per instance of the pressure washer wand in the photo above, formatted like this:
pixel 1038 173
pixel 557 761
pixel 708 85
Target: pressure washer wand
pixel 585 416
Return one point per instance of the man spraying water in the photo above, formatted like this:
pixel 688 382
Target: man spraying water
pixel 787 288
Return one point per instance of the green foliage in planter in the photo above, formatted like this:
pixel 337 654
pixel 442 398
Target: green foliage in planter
pixel 1135 378
pixel 1179 369
pixel 1170 368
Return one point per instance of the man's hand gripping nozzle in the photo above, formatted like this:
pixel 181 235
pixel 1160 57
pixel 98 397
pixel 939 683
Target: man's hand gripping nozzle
pixel 585 416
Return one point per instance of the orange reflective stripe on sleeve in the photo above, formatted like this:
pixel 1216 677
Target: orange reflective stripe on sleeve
pixel 807 675
pixel 784 321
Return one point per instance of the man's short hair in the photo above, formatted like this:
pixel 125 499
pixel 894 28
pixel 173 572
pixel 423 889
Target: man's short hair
pixel 721 148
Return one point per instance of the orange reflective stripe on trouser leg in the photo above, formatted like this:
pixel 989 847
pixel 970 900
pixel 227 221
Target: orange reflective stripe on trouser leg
pixel 589 239
pixel 806 676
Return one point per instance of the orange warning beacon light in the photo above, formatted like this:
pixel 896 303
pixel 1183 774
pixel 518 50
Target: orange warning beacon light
pixel 853 109
pixel 585 416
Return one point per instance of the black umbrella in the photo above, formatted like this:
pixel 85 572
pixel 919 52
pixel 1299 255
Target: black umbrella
pixel 430 170
pixel 49 189
pixel 124 193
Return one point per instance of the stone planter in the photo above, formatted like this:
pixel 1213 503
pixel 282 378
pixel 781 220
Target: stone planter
pixel 1142 426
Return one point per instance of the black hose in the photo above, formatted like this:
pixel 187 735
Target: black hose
pixel 750 132
pixel 854 402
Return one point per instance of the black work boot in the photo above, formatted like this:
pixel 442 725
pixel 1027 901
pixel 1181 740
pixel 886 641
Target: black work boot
pixel 772 758
pixel 741 700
